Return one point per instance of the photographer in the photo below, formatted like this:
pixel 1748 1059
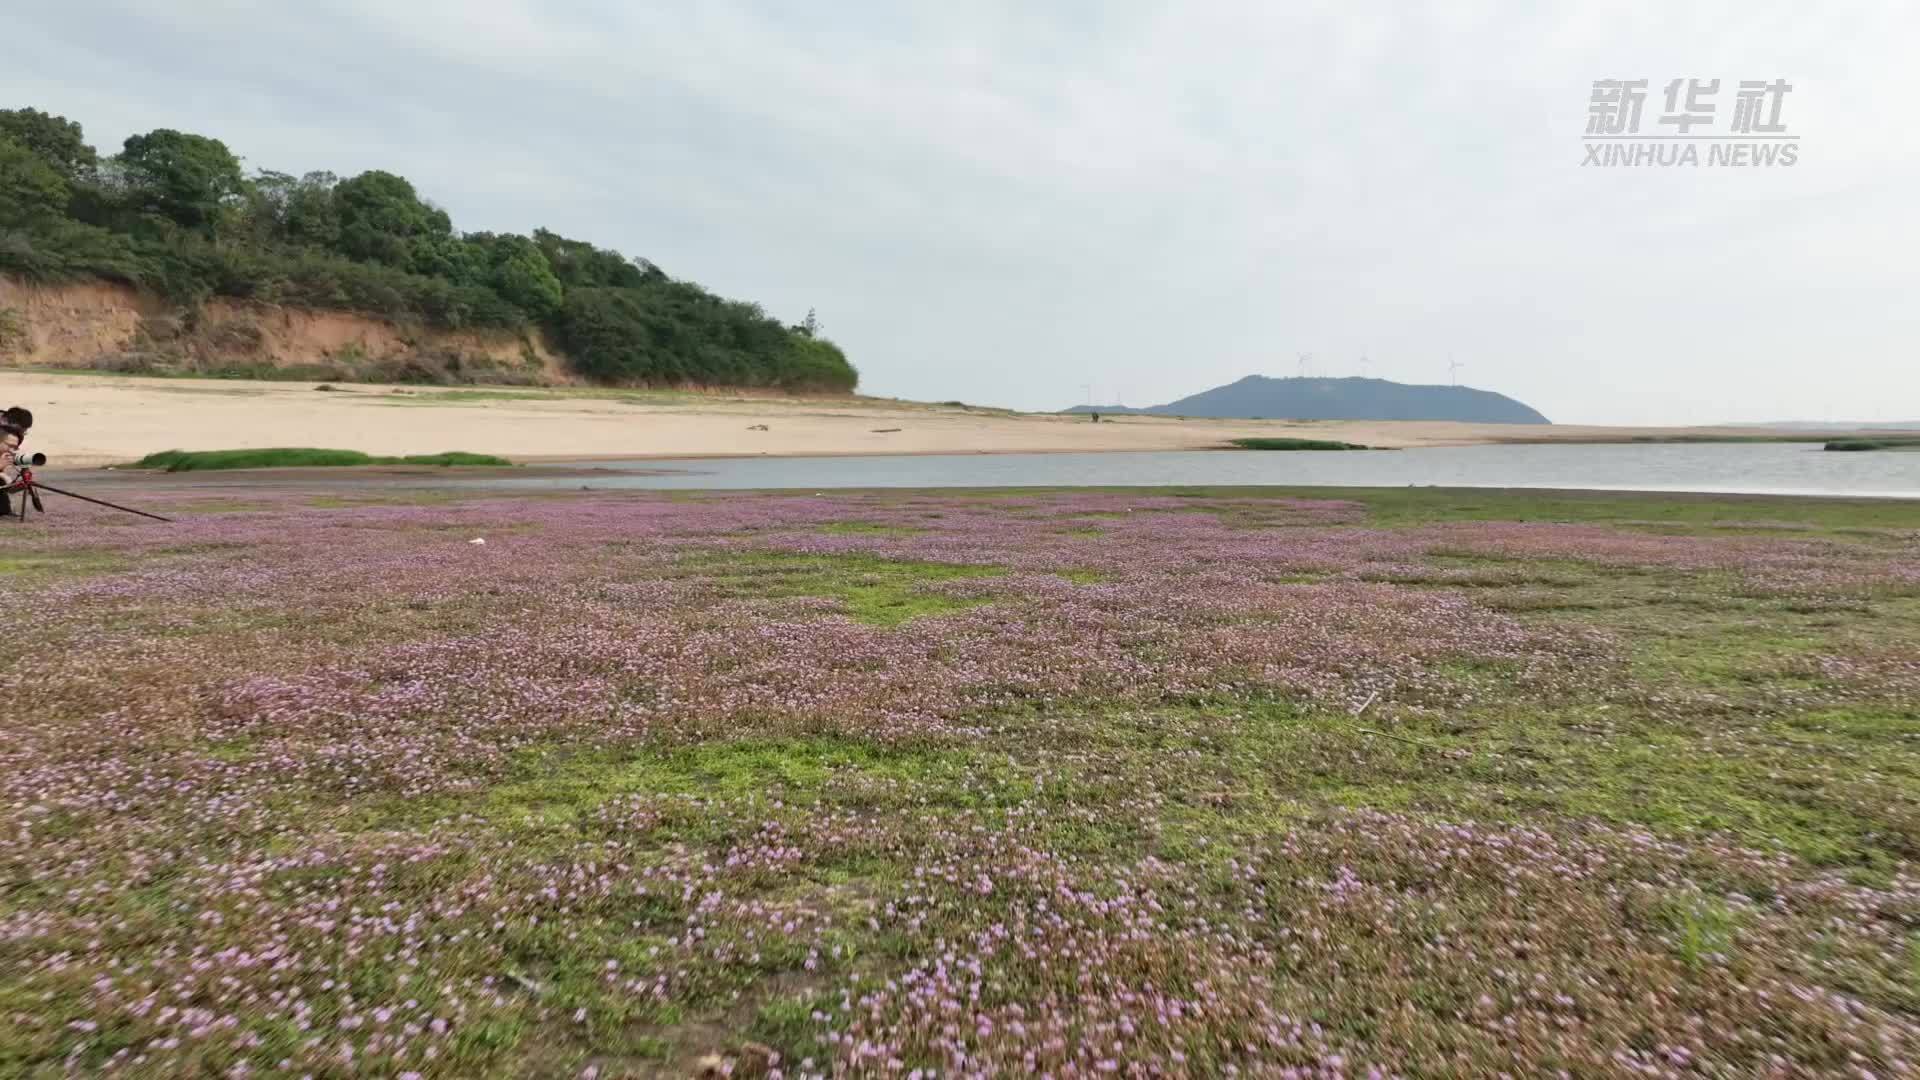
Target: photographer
pixel 14 424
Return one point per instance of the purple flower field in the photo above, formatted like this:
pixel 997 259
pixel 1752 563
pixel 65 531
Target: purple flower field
pixel 1395 783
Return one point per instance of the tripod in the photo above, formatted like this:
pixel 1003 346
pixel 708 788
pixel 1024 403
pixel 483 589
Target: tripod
pixel 30 489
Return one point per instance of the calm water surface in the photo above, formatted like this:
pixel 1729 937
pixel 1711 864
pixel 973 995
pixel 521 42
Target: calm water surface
pixel 1743 468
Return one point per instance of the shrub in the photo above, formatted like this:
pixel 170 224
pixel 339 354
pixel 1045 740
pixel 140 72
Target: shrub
pixel 13 329
pixel 30 188
pixel 59 250
pixel 1875 444
pixel 298 457
pixel 669 332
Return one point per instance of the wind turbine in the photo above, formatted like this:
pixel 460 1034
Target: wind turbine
pixel 1366 366
pixel 1453 369
pixel 1306 359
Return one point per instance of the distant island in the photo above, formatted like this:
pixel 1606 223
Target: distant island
pixel 1258 397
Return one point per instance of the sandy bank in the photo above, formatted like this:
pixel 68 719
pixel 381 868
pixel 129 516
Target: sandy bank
pixel 98 420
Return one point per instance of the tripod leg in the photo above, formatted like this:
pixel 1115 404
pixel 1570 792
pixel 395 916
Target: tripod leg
pixel 100 502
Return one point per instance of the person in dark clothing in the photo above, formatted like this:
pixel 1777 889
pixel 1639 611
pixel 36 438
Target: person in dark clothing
pixel 14 424
pixel 13 431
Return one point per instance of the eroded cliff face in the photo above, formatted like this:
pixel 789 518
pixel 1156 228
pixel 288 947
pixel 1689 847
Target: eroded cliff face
pixel 108 327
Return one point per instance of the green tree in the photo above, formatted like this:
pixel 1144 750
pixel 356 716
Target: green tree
pixel 277 209
pixel 383 220
pixel 450 258
pixel 814 363
pixel 257 217
pixel 181 176
pixel 619 335
pixel 311 217
pixel 55 139
pixel 30 188
pixel 518 270
pixel 579 264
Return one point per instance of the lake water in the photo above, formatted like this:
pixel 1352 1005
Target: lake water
pixel 1742 468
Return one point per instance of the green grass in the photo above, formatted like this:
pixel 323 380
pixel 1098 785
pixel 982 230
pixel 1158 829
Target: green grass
pixel 879 592
pixel 223 506
pixel 485 395
pixel 1874 444
pixel 868 528
pixel 1412 506
pixel 298 458
pixel 1295 444
pixel 1707 738
pixel 57 564
pixel 1692 438
pixel 1427 506
pixel 558 788
pixel 1702 929
pixel 1682 512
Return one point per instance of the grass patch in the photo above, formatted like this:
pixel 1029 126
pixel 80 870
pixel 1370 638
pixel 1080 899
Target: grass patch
pixel 1296 444
pixel 1874 444
pixel 1702 930
pixel 224 506
pixel 552 788
pixel 62 564
pixel 786 1024
pixel 1396 507
pixel 868 528
pixel 880 592
pixel 1247 768
pixel 418 497
pixel 298 458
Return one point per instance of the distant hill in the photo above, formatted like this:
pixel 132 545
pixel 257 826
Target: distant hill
pixel 1258 397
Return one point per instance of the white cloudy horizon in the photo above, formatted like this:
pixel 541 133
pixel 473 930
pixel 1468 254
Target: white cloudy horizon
pixel 1004 206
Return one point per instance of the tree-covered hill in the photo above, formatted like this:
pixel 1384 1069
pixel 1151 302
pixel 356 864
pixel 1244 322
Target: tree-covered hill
pixel 175 214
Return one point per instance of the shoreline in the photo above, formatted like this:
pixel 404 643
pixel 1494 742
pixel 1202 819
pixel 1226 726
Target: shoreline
pixel 558 478
pixel 90 419
pixel 476 482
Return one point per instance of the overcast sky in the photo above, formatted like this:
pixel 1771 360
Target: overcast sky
pixel 1004 202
